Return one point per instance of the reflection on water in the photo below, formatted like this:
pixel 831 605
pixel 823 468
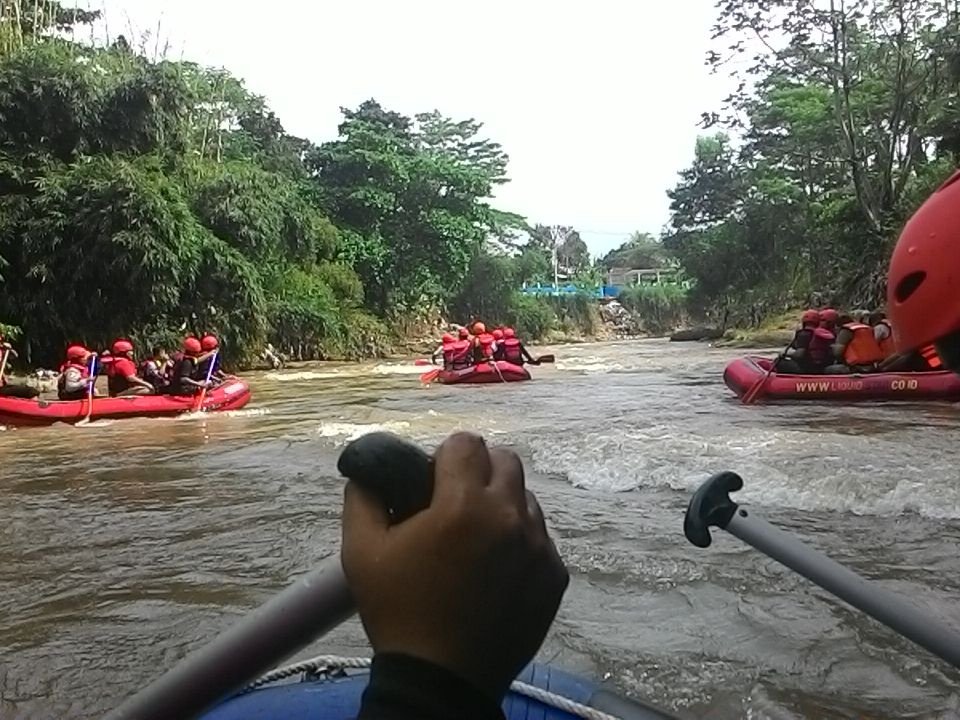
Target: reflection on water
pixel 126 544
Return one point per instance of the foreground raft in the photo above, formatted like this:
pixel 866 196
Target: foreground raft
pixel 541 693
pixel 231 395
pixel 744 373
pixel 500 371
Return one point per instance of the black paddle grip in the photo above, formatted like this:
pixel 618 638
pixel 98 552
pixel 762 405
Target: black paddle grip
pixel 394 469
pixel 711 506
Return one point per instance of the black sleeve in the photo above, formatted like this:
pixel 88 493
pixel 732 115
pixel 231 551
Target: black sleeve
pixel 406 688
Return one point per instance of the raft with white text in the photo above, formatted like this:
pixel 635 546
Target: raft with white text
pixel 744 373
pixel 231 395
pixel 330 688
pixel 500 371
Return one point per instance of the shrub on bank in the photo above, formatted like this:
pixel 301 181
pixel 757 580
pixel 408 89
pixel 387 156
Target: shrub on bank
pixel 661 308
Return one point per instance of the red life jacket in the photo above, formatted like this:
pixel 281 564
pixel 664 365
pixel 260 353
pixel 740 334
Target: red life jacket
pixel 84 370
pixel 461 356
pixel 819 350
pixel 929 353
pixel 448 353
pixel 484 347
pixel 511 351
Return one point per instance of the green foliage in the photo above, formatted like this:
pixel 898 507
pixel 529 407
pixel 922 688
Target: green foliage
pixel 661 308
pixel 641 251
pixel 531 317
pixel 851 118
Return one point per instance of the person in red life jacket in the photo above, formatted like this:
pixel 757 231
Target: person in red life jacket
pixel 798 358
pixel 209 346
pixel 122 378
pixel 462 351
pixel 153 369
pixel 184 369
pixel 74 380
pixel 497 344
pixel 483 343
pixel 829 319
pixel 8 389
pixel 922 282
pixel 513 350
pixel 445 350
pixel 856 348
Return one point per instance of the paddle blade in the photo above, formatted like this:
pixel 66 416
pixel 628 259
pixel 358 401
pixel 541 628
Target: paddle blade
pixel 429 377
pixel 422 361
pixel 545 359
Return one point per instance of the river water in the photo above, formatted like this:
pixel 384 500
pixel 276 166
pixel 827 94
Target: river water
pixel 127 544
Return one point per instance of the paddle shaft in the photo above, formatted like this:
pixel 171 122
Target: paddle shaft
pixel 203 391
pixel 90 389
pixel 886 607
pixel 755 390
pixel 3 364
pixel 315 604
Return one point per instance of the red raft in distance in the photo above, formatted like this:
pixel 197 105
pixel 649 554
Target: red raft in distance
pixel 496 372
pixel 231 395
pixel 744 373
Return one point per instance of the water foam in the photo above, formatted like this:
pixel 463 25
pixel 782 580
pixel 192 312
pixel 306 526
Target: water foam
pixel 345 432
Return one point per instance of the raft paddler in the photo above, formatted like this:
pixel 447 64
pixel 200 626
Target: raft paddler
pixel 514 351
pixel 457 599
pixel 483 343
pixel 444 351
pixel 210 353
pixel 182 374
pixel 462 350
pixel 922 282
pixel 74 380
pixel 122 378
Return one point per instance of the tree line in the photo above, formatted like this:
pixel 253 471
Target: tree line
pixel 846 115
pixel 151 198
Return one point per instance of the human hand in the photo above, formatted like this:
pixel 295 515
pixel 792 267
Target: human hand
pixel 472 583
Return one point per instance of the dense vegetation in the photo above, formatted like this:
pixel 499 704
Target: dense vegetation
pixel 846 116
pixel 153 198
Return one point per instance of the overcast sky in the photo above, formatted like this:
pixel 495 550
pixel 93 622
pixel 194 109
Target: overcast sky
pixel 597 103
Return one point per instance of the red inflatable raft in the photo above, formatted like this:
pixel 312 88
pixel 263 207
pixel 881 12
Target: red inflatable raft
pixel 232 395
pixel 743 373
pixel 496 372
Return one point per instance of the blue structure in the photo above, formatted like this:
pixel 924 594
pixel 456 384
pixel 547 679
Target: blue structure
pixel 599 292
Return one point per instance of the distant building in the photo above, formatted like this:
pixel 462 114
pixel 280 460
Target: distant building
pixel 624 277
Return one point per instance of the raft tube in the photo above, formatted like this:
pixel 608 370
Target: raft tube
pixel 231 395
pixel 495 372
pixel 743 373
pixel 338 698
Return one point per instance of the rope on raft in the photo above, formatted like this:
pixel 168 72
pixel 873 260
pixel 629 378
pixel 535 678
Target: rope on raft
pixel 325 664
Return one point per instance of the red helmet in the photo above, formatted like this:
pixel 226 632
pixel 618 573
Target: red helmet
pixel 209 342
pixel 810 316
pixel 120 347
pixel 479 328
pixel 463 333
pixel 447 339
pixel 829 315
pixel 192 346
pixel 509 333
pixel 498 334
pixel 77 352
pixel 925 271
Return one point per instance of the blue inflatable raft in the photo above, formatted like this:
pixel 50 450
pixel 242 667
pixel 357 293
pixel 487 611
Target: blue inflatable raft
pixel 333 693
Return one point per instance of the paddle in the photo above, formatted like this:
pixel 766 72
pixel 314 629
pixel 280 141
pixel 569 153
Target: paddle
pixel 203 392
pixel 544 359
pixel 711 506
pixel 401 474
pixel 429 376
pixel 422 361
pixel 753 392
pixel 90 389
